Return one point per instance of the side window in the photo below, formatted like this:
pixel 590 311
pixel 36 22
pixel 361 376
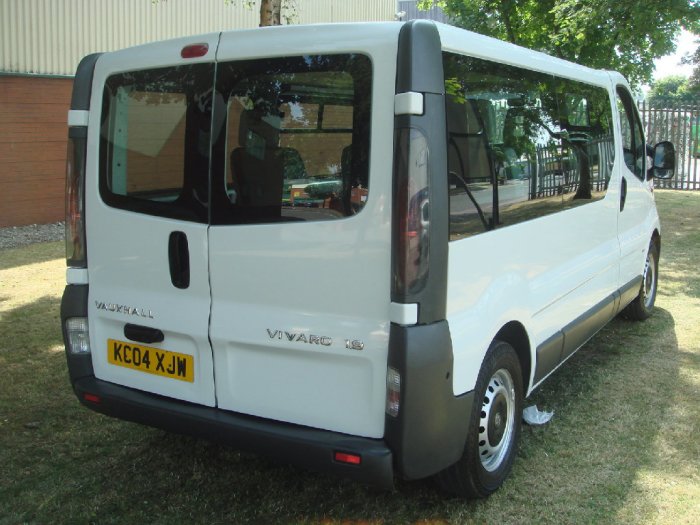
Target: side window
pixel 154 147
pixel 296 141
pixel 586 118
pixel 521 144
pixel 633 146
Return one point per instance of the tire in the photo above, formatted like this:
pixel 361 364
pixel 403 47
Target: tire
pixel 643 305
pixel 494 427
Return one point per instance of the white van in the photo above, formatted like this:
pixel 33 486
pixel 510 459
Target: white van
pixel 353 247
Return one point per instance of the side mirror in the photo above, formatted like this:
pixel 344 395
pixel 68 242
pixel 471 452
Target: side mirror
pixel 664 165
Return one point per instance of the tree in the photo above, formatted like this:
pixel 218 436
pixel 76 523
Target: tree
pixel 694 59
pixel 624 35
pixel 272 12
pixel 674 89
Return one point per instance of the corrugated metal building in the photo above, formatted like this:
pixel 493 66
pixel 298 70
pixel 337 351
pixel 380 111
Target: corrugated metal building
pixel 51 36
pixel 41 43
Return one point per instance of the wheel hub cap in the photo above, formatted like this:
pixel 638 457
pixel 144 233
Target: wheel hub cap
pixel 648 288
pixel 497 420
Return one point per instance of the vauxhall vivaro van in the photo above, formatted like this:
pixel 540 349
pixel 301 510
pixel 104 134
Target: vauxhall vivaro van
pixel 354 247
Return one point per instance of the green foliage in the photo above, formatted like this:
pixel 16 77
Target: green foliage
pixel 624 35
pixel 694 59
pixel 675 89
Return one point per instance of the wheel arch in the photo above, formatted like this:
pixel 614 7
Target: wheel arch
pixel 515 335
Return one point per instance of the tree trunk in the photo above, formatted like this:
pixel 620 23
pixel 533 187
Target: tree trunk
pixel 270 12
pixel 584 186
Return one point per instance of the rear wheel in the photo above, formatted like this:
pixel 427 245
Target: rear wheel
pixel 643 305
pixel 494 427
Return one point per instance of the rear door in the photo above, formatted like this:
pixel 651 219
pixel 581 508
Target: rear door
pixel 147 211
pixel 300 238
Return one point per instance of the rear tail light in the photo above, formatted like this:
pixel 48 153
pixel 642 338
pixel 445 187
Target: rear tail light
pixel 75 202
pixel 393 391
pixel 411 212
pixel 77 335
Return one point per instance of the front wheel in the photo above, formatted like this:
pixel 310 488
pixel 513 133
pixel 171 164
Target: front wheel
pixel 494 427
pixel 643 305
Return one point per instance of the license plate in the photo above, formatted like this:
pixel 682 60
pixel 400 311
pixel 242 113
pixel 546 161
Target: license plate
pixel 151 360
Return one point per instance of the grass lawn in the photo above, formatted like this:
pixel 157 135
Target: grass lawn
pixel 623 446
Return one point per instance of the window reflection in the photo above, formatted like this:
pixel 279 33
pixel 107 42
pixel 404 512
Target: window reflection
pixel 154 141
pixel 296 139
pixel 633 146
pixel 521 144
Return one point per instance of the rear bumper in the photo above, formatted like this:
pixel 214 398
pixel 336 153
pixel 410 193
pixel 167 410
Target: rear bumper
pixel 426 437
pixel 306 447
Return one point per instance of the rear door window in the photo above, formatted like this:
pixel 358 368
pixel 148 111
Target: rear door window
pixel 155 141
pixel 295 145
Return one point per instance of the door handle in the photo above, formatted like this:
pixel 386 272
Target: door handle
pixel 623 193
pixel 179 259
pixel 143 334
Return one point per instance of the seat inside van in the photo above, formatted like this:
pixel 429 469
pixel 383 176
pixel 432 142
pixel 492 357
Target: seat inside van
pixel 468 148
pixel 257 165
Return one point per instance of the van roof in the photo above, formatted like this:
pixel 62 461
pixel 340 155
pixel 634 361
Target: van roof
pixel 453 39
pixel 462 41
pixel 281 40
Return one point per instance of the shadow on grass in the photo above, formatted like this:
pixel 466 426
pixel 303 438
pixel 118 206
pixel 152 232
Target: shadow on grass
pixel 36 253
pixel 31 372
pixel 611 404
pixel 27 329
pixel 680 281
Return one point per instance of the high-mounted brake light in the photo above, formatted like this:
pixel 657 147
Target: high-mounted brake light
pixel 194 50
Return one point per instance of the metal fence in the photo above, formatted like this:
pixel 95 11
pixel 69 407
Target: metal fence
pixel 558 170
pixel 679 124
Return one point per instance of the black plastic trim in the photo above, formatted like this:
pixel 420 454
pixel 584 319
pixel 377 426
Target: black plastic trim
pixel 77 132
pixel 74 303
pixel 574 335
pixel 82 85
pixel 430 430
pixel 629 292
pixel 420 59
pixel 623 194
pixel 143 334
pixel 419 69
pixel 306 447
pixel 179 260
pixel 548 356
pixel 80 101
pixel 587 325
